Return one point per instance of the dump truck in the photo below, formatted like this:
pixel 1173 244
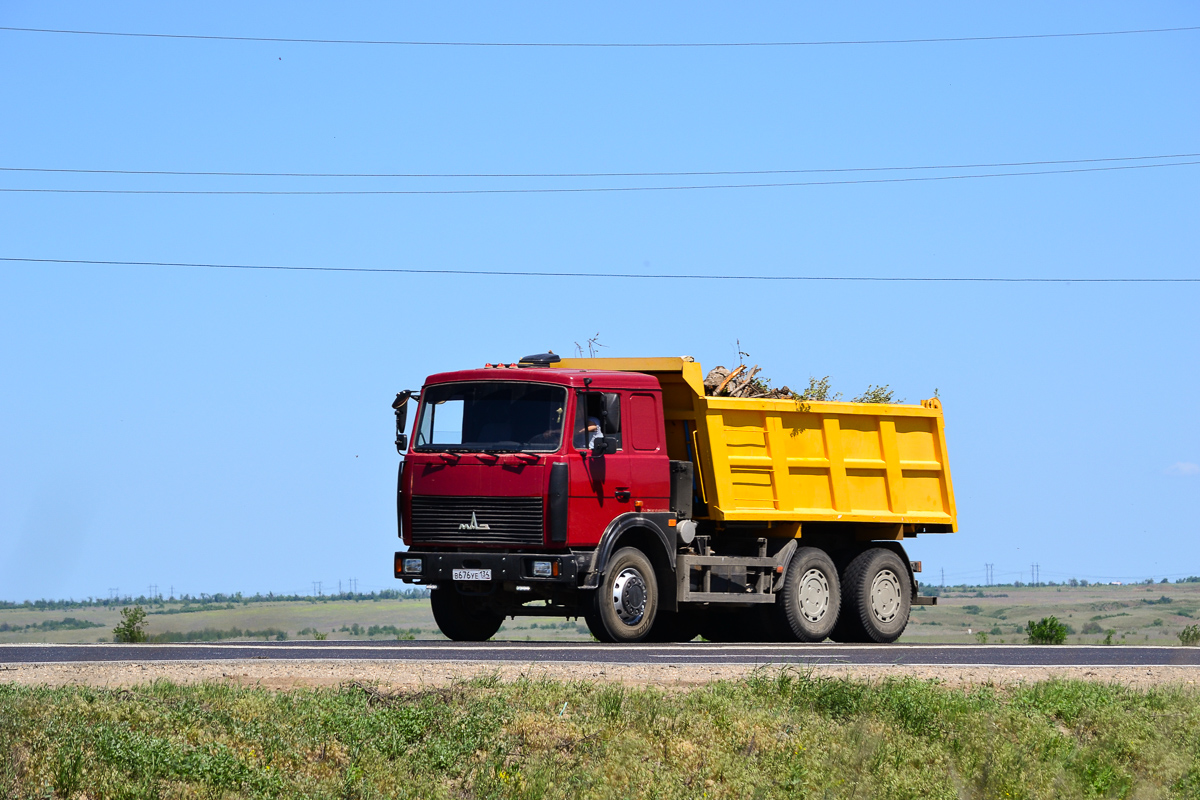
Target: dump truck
pixel 617 490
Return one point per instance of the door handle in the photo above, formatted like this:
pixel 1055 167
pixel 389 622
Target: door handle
pixel 623 494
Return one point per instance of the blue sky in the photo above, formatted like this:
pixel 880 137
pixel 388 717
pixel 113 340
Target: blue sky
pixel 219 430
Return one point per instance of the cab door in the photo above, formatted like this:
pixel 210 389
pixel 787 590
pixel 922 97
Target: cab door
pixel 645 440
pixel 599 484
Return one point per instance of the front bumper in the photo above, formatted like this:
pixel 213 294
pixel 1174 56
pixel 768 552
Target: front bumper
pixel 436 567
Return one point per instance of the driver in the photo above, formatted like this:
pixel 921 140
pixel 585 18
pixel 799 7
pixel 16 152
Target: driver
pixel 590 430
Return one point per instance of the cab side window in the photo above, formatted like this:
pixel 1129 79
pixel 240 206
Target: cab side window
pixel 597 414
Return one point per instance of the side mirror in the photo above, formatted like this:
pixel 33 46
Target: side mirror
pixel 600 446
pixel 400 405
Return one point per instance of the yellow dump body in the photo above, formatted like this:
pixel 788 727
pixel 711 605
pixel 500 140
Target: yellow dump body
pixel 786 461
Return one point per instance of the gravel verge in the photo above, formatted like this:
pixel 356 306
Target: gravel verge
pixel 297 674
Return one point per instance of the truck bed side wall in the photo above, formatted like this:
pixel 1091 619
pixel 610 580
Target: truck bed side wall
pixel 788 460
pixel 793 461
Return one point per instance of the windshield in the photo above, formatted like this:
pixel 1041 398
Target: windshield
pixel 491 416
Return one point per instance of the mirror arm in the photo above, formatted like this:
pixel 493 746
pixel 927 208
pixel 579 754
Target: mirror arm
pixel 400 405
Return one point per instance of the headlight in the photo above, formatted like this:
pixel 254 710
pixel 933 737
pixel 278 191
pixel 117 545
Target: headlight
pixel 543 569
pixel 412 566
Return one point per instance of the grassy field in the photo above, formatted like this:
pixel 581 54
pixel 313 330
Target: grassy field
pixel 1137 614
pixel 775 735
pixel 334 618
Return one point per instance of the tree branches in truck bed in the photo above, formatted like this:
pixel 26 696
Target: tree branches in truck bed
pixel 740 382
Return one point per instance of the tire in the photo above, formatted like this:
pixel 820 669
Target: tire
pixel 463 618
pixel 592 617
pixel 809 603
pixel 876 598
pixel 623 609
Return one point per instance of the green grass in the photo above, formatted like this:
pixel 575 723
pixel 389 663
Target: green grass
pixel 775 735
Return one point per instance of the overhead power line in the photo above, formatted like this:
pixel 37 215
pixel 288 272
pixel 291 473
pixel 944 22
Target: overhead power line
pixel 430 43
pixel 187 173
pixel 637 275
pixel 591 189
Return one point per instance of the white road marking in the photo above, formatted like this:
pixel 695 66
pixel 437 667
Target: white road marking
pixel 603 664
pixel 601 648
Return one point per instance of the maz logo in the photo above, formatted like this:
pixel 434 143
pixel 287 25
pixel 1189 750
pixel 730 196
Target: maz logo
pixel 474 525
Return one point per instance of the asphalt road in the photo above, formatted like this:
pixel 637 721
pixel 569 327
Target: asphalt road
pixel 589 653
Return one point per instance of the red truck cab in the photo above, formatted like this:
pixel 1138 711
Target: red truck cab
pixel 512 478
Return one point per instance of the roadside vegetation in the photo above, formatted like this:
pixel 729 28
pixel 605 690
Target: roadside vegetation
pixel 186 603
pixel 65 624
pixel 132 626
pixel 779 734
pixel 1145 614
pixel 1047 630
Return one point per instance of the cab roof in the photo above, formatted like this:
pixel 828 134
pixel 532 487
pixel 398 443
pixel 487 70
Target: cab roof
pixel 573 378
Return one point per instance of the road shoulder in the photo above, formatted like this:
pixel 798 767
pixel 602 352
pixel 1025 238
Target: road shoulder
pixel 408 675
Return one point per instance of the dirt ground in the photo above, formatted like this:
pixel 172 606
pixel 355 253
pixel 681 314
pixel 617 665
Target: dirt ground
pixel 407 675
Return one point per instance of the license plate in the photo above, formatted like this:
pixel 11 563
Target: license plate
pixel 472 574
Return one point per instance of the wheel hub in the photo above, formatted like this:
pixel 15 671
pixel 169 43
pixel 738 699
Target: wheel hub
pixel 814 595
pixel 885 596
pixel 629 596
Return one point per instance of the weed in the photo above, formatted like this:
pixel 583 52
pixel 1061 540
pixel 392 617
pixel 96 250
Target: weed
pixel 877 394
pixel 610 700
pixel 130 629
pixel 819 390
pixel 1047 630
pixel 1190 636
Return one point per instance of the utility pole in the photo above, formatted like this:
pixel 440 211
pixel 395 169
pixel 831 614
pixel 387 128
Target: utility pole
pixel 990 574
pixel 943 577
pixel 172 595
pixel 339 586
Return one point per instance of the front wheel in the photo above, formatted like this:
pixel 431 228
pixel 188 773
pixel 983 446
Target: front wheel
pixel 625 605
pixel 463 618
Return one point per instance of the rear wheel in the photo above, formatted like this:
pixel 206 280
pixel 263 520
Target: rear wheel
pixel 623 609
pixel 464 618
pixel 876 598
pixel 808 604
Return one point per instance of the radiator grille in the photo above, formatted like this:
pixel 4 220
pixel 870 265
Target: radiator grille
pixel 447 520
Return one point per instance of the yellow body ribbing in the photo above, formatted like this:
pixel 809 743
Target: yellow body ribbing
pixel 784 461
